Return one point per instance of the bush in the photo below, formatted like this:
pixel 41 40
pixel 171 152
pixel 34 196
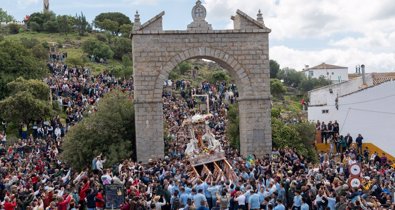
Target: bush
pixel 13 28
pixel 218 76
pixel 76 61
pixel 51 26
pixel 40 52
pixel 121 46
pixel 101 37
pixel 109 131
pixel 276 112
pixel 297 136
pixel 45 45
pixel 232 130
pixel 29 43
pixel 35 26
pixel 313 83
pixel 277 88
pixel 97 48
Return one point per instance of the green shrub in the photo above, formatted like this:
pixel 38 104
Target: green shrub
pixel 109 131
pixel 13 28
pixel 101 37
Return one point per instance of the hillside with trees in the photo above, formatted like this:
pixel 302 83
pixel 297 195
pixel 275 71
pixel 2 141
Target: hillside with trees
pixel 104 46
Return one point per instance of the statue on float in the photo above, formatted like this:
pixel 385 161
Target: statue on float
pixel 200 144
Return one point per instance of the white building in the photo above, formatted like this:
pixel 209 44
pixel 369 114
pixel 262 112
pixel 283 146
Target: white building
pixel 330 72
pixel 368 109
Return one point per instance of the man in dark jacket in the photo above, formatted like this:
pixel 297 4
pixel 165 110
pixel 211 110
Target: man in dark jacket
pixel 90 199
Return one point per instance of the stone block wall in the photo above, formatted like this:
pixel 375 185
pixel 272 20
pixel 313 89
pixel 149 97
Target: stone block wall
pixel 243 52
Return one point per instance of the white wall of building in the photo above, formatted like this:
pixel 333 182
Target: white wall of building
pixel 323 96
pixel 335 75
pixel 370 112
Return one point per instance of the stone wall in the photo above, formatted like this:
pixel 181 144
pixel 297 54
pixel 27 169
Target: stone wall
pixel 243 52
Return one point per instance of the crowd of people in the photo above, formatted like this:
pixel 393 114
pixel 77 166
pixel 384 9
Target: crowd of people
pixel 330 134
pixel 33 177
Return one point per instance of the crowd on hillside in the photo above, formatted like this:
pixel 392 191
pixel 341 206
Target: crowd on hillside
pixel 33 177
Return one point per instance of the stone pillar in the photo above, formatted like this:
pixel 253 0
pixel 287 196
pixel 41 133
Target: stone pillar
pixel 149 130
pixel 255 127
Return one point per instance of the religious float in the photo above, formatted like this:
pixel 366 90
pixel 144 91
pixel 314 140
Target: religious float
pixel 207 158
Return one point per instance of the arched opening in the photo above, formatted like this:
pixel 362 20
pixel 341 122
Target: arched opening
pixel 226 61
pixel 199 87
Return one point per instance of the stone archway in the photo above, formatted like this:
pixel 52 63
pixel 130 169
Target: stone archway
pixel 243 51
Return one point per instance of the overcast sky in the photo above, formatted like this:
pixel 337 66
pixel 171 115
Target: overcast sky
pixel 304 32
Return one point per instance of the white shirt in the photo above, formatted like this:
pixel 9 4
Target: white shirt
pixel 58 132
pixel 99 164
pixel 241 200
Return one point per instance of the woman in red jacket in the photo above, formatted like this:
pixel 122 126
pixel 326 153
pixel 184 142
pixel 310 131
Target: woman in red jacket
pixel 9 205
pixel 100 200
pixel 63 203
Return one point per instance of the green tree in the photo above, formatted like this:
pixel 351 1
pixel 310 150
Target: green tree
pixel 18 61
pixel 43 22
pixel 116 17
pixel 125 30
pixel 97 48
pixel 121 46
pixel 38 19
pixel 291 77
pixel 51 26
pixel 81 25
pixel 274 68
pixel 277 88
pixel 65 23
pixel 28 101
pixel 34 26
pixel 313 83
pixel 219 76
pixel 127 66
pixel 5 17
pixel 37 88
pixel 233 125
pixel 298 136
pixel 110 26
pixel 109 131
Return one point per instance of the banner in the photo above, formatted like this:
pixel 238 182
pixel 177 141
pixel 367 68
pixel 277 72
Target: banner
pixel 114 196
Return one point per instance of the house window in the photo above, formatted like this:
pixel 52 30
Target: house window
pixel 333 73
pixel 325 111
pixel 311 73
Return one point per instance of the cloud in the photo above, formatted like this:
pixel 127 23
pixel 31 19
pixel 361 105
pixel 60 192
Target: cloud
pixel 375 62
pixel 350 32
pixel 305 18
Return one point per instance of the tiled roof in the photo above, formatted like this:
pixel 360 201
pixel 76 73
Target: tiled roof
pixel 379 78
pixel 326 66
